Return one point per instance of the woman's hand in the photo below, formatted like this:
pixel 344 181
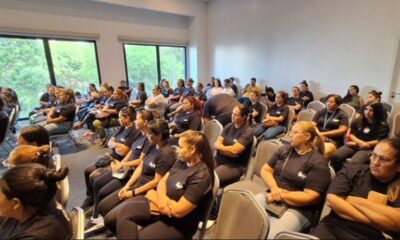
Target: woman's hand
pixel 121 193
pixel 275 195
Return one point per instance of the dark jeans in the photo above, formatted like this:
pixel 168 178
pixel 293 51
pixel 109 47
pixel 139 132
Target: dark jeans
pixel 358 156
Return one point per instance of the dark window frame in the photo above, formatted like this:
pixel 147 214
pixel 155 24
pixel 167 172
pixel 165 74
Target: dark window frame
pixel 157 55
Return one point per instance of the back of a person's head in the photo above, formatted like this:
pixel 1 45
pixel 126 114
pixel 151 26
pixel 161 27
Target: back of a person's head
pixel 35 135
pixel 30 154
pixel 32 184
pixel 159 127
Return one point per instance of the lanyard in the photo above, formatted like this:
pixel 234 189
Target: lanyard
pixel 326 120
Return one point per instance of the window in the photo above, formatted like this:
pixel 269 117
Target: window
pixel 28 64
pixel 151 63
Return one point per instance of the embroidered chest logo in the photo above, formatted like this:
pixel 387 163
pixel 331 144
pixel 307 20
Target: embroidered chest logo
pixel 178 185
pixel 301 175
pixel 152 165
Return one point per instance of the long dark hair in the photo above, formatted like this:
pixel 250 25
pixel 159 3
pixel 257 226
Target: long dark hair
pixel 348 96
pixel 379 111
pixel 35 134
pixel 376 94
pixel 33 184
pixel 394 187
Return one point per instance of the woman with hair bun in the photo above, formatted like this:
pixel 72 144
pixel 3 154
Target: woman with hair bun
pixel 26 194
pixel 28 154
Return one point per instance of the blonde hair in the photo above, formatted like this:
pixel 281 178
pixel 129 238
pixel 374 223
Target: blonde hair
pixel 30 154
pixel 315 140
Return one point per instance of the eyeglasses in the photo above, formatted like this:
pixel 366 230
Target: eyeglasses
pixel 382 160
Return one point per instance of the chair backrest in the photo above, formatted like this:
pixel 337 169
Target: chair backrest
pixel 63 192
pixel 57 161
pixel 388 107
pixel 209 205
pixel 265 151
pixel 77 218
pixel 350 111
pixel 306 115
pixel 15 116
pixel 294 235
pixel 264 111
pixel 241 217
pixel 212 129
pixel 251 160
pixel 316 105
pixel 290 118
pixel 396 126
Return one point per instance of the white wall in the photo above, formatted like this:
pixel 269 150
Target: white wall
pixel 331 43
pixel 110 21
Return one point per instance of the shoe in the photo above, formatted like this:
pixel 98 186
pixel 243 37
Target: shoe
pixel 209 224
pixel 95 225
pixel 103 143
pixel 87 203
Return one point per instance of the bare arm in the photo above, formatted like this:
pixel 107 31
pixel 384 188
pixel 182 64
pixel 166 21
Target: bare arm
pixel 231 151
pixel 335 133
pixel 347 211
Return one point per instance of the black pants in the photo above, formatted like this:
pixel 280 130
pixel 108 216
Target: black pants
pixel 102 187
pixel 358 156
pixel 110 207
pixel 229 173
pixel 91 174
pixel 138 213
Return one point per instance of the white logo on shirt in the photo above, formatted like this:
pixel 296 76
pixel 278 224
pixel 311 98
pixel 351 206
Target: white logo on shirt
pixel 301 175
pixel 152 165
pixel 179 185
pixel 366 130
pixel 335 120
pixel 122 139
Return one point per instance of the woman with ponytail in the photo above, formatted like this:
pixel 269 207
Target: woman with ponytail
pixel 174 210
pixel 297 176
pixel 365 199
pixel 26 195
pixel 29 154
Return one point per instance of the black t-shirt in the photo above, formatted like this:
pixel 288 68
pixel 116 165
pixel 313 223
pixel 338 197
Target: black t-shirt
pixel 66 110
pixel 166 92
pixel 221 107
pixel 243 135
pixel 357 180
pixel 194 183
pixel 49 225
pixel 328 121
pixel 309 95
pixel 178 92
pixel 258 108
pixel 187 120
pixel 125 136
pixel 117 105
pixel 156 161
pixel 296 172
pixel 45 97
pixel 277 111
pixel 189 91
pixel 292 101
pixel 140 145
pixel 367 131
pixel 201 96
pixel 142 96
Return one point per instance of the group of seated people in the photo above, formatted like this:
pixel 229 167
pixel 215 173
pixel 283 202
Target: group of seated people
pixel 159 172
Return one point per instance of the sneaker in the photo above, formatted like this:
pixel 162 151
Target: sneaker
pixel 87 203
pixel 95 226
pixel 209 224
pixel 97 220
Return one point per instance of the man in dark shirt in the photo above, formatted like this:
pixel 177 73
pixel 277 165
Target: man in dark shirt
pixel 220 107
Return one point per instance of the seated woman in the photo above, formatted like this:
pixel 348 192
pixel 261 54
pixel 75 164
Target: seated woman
pixel 373 97
pixel 106 183
pixel 332 124
pixel 176 95
pixel 10 99
pixel 166 90
pixel 297 176
pixel 188 119
pixel 174 210
pixel 28 154
pixel 352 98
pixel 274 122
pixel 255 109
pixel 108 116
pixel 26 194
pixel 156 102
pixel 60 117
pixel 217 89
pixel 233 147
pixel 157 161
pixel 119 144
pixel 305 93
pixel 364 200
pixel 141 97
pixel 296 101
pixel 364 134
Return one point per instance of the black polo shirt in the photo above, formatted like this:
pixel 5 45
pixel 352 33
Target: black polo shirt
pixel 328 121
pixel 194 184
pixel 277 111
pixel 367 131
pixel 292 101
pixel 187 121
pixel 357 180
pixel 295 172
pixel 140 145
pixel 125 136
pixel 258 108
pixel 156 161
pixel 66 110
pixel 243 135
pixel 309 95
pixel 48 225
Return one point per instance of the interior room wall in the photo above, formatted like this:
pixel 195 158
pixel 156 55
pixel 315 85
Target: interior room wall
pixel 331 44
